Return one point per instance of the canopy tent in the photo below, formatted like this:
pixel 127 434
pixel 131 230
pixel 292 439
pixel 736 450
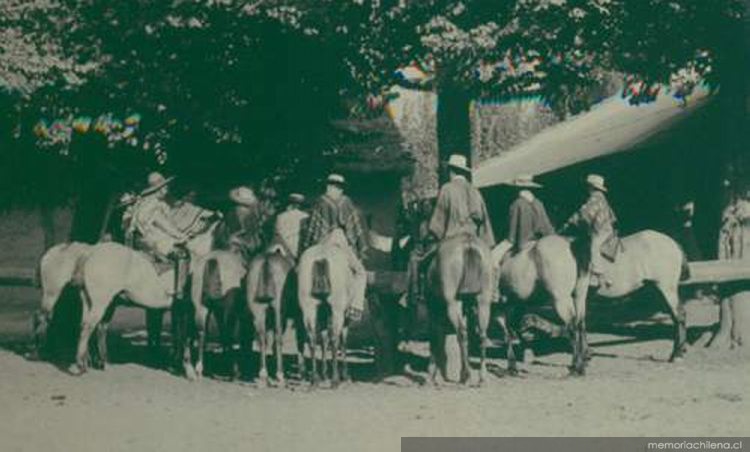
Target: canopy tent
pixel 609 127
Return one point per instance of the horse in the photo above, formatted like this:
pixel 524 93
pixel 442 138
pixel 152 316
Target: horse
pixel 270 287
pixel 460 272
pixel 216 287
pixel 324 294
pixel 59 267
pixel 113 270
pixel 647 258
pixel 546 267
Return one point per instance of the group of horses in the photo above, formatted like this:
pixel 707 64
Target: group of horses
pixel 316 291
pixel 271 288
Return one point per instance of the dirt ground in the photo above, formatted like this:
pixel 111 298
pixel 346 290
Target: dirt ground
pixel 630 389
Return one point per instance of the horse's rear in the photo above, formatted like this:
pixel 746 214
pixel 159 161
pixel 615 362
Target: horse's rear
pixel 544 270
pixel 59 267
pixel 216 286
pixel 461 272
pixel 324 290
pixel 269 282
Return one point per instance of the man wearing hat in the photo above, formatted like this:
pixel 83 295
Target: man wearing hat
pixel 528 220
pixel 289 224
pixel 597 219
pixel 334 211
pixel 151 224
pixel 241 229
pixel 460 207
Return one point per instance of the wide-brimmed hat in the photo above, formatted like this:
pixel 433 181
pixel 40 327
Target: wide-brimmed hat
pixel 336 179
pixel 296 198
pixel 459 162
pixel 596 181
pixel 524 181
pixel 243 195
pixel 155 182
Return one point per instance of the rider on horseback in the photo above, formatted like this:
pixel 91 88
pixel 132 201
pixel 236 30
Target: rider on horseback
pixel 289 224
pixel 335 220
pixel 598 220
pixel 528 222
pixel 151 225
pixel 241 229
pixel 460 209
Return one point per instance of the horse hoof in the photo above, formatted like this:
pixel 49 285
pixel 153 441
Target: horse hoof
pixel 191 374
pixel 76 370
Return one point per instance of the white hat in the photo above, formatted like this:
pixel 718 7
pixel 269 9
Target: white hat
pixel 596 181
pixel 243 196
pixel 155 182
pixel 334 178
pixel 525 181
pixel 296 198
pixel 459 162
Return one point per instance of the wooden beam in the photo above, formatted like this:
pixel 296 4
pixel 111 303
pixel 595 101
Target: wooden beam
pixel 718 271
pixel 17 276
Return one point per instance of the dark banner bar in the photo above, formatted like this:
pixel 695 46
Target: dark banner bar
pixel 572 444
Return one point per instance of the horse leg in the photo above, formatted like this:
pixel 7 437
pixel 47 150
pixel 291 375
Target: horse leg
pixel 677 312
pixel 201 325
pixel 312 337
pixel 299 333
pixel 101 336
pixel 457 319
pixel 278 342
pixel 154 322
pixel 92 314
pixel 324 342
pixel 437 346
pixel 509 333
pixel 259 320
pixel 345 363
pixel 565 308
pixel 336 331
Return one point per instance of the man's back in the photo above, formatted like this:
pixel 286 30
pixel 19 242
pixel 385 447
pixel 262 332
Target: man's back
pixel 461 209
pixel 528 221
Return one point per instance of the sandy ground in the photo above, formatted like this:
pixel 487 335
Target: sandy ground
pixel 630 389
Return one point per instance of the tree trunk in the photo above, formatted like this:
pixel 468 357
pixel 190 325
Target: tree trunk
pixel 47 218
pixel 453 122
pixel 734 324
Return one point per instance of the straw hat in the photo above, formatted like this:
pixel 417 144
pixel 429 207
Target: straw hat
pixel 296 198
pixel 243 195
pixel 336 179
pixel 459 162
pixel 155 182
pixel 596 181
pixel 524 181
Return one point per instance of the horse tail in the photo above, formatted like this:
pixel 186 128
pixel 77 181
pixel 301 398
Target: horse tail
pixel 685 267
pixel 212 279
pixel 321 279
pixel 471 279
pixel 266 284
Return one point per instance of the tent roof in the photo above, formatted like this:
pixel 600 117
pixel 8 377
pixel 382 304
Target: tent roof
pixel 609 127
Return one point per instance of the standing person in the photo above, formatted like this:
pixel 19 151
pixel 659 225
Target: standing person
pixel 152 227
pixel 334 213
pixel 685 234
pixel 241 229
pixel 289 225
pixel 734 238
pixel 597 221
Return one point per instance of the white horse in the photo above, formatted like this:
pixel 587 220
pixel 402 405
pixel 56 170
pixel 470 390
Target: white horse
pixel 60 266
pixel 647 258
pixel 216 287
pixel 112 269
